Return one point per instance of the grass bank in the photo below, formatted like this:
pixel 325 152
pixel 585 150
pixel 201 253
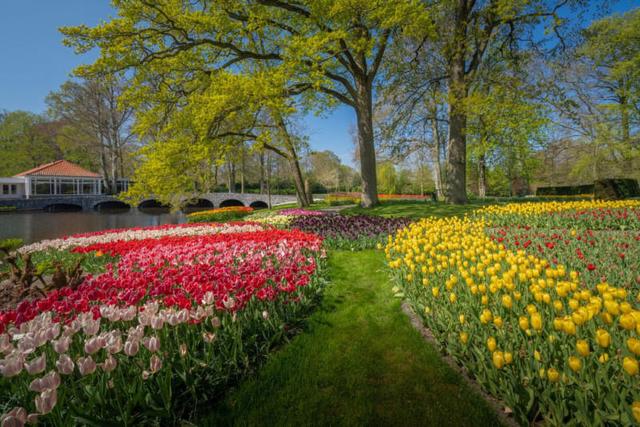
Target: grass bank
pixel 359 362
pixel 413 209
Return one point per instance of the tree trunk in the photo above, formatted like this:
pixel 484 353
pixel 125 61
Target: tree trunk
pixel 231 175
pixel 242 172
pixel 294 162
pixel 457 149
pixel 482 177
pixel 263 187
pixel 364 114
pixel 437 169
pixel 269 180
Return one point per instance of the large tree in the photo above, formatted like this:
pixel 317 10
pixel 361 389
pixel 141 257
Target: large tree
pixel 472 32
pixel 96 119
pixel 325 52
pixel 27 140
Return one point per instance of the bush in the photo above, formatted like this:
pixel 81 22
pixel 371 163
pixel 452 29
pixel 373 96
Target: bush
pixel 220 214
pixel 565 190
pixel 613 189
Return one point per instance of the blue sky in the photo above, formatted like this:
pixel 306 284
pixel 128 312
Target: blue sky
pixel 34 62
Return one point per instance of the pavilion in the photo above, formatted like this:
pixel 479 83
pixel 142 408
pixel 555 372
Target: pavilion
pixel 59 178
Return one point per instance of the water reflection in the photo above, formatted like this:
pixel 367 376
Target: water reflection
pixel 39 225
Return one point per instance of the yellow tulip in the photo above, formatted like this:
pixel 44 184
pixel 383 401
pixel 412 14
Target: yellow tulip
pixel 575 364
pixel 627 321
pixel 536 355
pixel 498 359
pixel 464 337
pixel 435 291
pixel 461 318
pixel 634 346
pixel 523 322
pixel 604 357
pixel 553 375
pixel 506 301
pixel 630 365
pixel 603 338
pixel 508 358
pixel 583 348
pixel 536 321
pixel 569 327
pixel 635 410
pixel 452 297
pixel 497 321
pixel 491 344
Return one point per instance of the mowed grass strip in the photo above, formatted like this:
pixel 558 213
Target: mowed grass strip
pixel 413 209
pixel 358 362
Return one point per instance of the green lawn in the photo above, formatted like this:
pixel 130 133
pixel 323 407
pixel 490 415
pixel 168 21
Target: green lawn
pixel 358 362
pixel 414 209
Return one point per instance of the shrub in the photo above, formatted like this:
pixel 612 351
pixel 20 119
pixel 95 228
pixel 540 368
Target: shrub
pixel 220 214
pixel 614 189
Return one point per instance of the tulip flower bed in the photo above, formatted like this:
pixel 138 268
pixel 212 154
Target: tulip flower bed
pixel 161 332
pixel 349 232
pixel 220 214
pixel 600 255
pixel 547 319
pixel 589 214
pixel 334 199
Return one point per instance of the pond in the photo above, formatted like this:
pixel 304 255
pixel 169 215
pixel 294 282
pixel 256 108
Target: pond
pixel 33 226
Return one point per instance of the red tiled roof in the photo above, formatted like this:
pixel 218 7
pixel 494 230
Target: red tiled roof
pixel 60 168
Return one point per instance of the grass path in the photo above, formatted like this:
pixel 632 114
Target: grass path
pixel 358 362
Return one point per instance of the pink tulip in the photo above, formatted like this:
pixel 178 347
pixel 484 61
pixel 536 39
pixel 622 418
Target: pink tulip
pixel 91 327
pixel 131 348
pixel 37 365
pixel 53 332
pixel 114 343
pixel 94 344
pixel 145 375
pixel 65 364
pixel 183 316
pixel 12 365
pixel 109 364
pixel 151 343
pixel 15 417
pixel 157 322
pixel 183 350
pixel 27 344
pixel 32 419
pixel 46 401
pixel 128 314
pixel 61 345
pixel 86 365
pixel 208 298
pixel 5 343
pixel 265 314
pixel 215 321
pixel 51 381
pixel 11 421
pixel 155 364
pixel 208 337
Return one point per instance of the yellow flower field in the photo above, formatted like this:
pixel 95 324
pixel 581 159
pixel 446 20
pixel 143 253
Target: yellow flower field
pixel 533 334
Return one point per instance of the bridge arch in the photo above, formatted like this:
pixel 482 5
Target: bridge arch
pixel 199 203
pixel 152 204
pixel 63 207
pixel 230 202
pixel 111 205
pixel 259 204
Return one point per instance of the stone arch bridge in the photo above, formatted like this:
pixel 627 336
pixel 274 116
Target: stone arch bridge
pixel 208 200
